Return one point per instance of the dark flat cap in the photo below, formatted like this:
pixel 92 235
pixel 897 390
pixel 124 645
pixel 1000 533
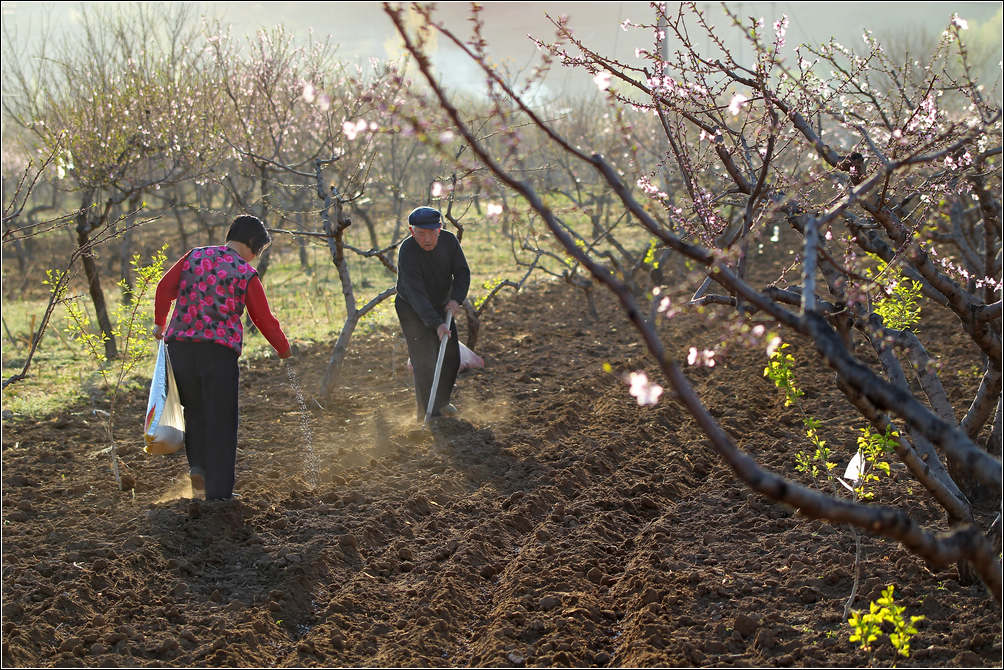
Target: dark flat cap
pixel 424 217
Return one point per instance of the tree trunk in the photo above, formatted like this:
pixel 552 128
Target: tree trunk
pixel 180 220
pixel 335 230
pixel 125 249
pixel 301 243
pixel 370 226
pixel 993 444
pixel 398 213
pixel 266 255
pixel 84 228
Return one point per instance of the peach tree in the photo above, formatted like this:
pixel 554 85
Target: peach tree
pixel 878 180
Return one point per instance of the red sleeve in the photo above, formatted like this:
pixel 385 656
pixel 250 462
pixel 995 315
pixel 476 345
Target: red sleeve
pixel 263 318
pixel 167 292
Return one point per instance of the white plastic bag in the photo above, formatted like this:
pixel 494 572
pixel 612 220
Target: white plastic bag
pixel 468 359
pixel 852 473
pixel 165 419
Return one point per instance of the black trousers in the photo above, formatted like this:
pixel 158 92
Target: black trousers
pixel 207 377
pixel 423 348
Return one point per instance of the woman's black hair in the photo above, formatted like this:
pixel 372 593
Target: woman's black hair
pixel 251 231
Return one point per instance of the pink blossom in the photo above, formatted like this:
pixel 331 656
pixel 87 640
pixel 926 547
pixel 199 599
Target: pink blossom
pixel 960 22
pixel 703 357
pixel 773 345
pixel 737 102
pixel 493 210
pixel 646 392
pixel 602 80
pixel 437 189
pixel 309 93
pixel 351 130
pixel 780 28
pixel 666 308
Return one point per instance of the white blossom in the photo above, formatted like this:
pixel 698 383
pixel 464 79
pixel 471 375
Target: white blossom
pixel 738 100
pixel 646 392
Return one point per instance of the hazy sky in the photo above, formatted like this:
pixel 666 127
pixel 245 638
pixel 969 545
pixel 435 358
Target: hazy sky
pixel 362 30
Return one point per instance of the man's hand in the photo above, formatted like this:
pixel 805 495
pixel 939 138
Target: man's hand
pixel 442 331
pixel 453 307
pixel 158 332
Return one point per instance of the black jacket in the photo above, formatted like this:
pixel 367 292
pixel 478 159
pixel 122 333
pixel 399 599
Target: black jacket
pixel 427 280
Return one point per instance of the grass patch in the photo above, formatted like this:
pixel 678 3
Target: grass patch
pixel 307 301
pixel 308 304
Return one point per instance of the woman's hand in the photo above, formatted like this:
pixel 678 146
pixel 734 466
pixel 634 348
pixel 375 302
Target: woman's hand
pixel 158 332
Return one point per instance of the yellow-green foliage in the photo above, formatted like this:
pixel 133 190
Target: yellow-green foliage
pixel 873 448
pixel 488 286
pixel 650 255
pixel 780 370
pixel 900 306
pixel 130 327
pixel 811 465
pixel 867 626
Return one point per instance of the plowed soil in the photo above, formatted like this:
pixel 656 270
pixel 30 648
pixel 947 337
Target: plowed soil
pixel 554 523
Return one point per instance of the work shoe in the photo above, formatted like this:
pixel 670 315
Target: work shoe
pixel 198 482
pixel 449 411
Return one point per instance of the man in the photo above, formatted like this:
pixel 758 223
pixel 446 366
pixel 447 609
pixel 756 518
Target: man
pixel 432 279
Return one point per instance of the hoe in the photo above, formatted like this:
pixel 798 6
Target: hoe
pixel 439 369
